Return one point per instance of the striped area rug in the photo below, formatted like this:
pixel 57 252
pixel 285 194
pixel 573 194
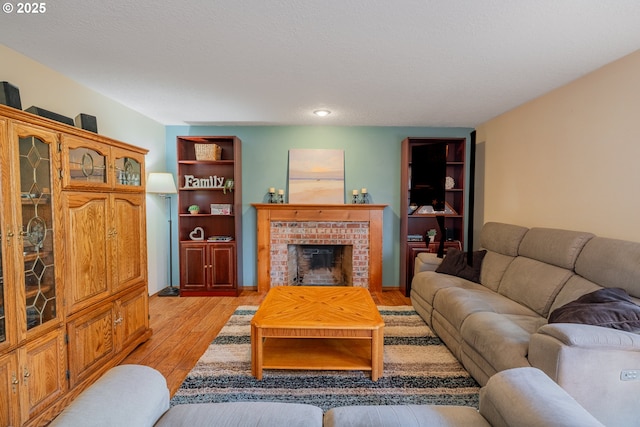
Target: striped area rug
pixel 418 369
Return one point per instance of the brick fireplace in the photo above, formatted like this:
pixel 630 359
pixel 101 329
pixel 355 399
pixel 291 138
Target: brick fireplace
pixel 321 265
pixel 355 227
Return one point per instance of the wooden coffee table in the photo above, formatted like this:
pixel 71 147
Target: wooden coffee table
pixel 317 328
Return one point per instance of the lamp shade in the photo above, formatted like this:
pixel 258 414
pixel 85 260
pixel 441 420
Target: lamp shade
pixel 161 182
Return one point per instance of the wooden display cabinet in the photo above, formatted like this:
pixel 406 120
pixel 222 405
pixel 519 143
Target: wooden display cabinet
pixel 210 240
pixel 72 248
pixel 451 162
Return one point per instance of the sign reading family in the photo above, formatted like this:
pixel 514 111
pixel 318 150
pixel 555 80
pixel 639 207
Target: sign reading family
pixel 191 181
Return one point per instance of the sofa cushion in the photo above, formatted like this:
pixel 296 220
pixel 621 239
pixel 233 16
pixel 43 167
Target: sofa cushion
pixel 232 414
pixel 552 246
pixel 428 283
pixel 403 416
pixel 500 339
pixel 608 307
pixel 533 283
pixel 611 263
pixel 455 263
pixel 455 304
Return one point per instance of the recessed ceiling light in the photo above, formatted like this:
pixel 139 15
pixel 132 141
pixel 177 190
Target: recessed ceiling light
pixel 322 113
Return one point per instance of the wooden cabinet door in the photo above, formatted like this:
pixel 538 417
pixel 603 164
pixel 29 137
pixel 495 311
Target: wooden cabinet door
pixel 132 317
pixel 42 372
pixel 91 342
pixel 86 242
pixel 129 245
pixel 222 266
pixel 208 268
pixel 10 402
pixel 8 249
pixel 194 266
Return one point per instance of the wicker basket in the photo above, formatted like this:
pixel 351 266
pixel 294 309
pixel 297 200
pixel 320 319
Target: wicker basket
pixel 208 152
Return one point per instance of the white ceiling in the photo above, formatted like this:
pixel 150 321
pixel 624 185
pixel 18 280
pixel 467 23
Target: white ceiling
pixel 371 62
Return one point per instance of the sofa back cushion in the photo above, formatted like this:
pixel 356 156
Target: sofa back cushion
pixel 501 242
pixel 553 246
pixel 575 287
pixel 546 258
pixel 611 263
pixel 533 283
pixel 493 267
pixel 502 238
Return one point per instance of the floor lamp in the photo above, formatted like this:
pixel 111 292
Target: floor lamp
pixel 163 184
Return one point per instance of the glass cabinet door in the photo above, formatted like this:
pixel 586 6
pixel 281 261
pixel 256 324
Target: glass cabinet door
pixel 37 232
pixel 87 165
pixel 128 171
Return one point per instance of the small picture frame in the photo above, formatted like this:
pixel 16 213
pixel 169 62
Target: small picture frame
pixel 220 209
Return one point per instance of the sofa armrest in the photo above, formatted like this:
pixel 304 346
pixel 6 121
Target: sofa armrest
pixel 426 261
pixel 127 395
pixel 584 358
pixel 528 397
pixel 588 336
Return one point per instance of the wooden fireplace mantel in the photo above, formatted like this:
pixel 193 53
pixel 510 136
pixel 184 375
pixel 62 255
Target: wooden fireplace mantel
pixel 268 212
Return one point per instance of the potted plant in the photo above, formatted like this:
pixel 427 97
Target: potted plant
pixel 194 209
pixel 432 235
pixel 228 185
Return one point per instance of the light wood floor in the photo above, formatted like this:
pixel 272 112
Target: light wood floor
pixel 183 328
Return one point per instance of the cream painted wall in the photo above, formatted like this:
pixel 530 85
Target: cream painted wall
pixel 48 89
pixel 568 159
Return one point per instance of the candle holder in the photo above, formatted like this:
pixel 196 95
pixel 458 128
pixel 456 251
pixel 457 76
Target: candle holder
pixel 272 196
pixel 364 196
pixel 355 199
pixel 281 199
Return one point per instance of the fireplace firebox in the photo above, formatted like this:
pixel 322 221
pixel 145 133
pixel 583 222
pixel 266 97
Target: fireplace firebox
pixel 320 265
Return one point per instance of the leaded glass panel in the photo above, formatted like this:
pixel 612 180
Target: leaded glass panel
pixel 37 231
pixel 86 164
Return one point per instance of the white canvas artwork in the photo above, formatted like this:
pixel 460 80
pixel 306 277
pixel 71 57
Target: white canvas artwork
pixel 316 176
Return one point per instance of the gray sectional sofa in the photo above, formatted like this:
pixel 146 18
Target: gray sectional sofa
pixel 137 396
pixel 502 322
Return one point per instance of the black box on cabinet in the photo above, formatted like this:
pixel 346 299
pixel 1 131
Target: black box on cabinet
pixel 50 115
pixel 10 95
pixel 87 122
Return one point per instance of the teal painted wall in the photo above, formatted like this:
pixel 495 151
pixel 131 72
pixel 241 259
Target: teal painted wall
pixel 372 160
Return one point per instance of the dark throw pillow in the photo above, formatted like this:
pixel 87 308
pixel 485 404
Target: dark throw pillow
pixel 455 264
pixel 608 307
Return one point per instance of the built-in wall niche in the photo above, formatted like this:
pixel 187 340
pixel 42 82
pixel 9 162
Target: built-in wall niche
pixel 320 265
pixel 433 189
pixel 427 177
